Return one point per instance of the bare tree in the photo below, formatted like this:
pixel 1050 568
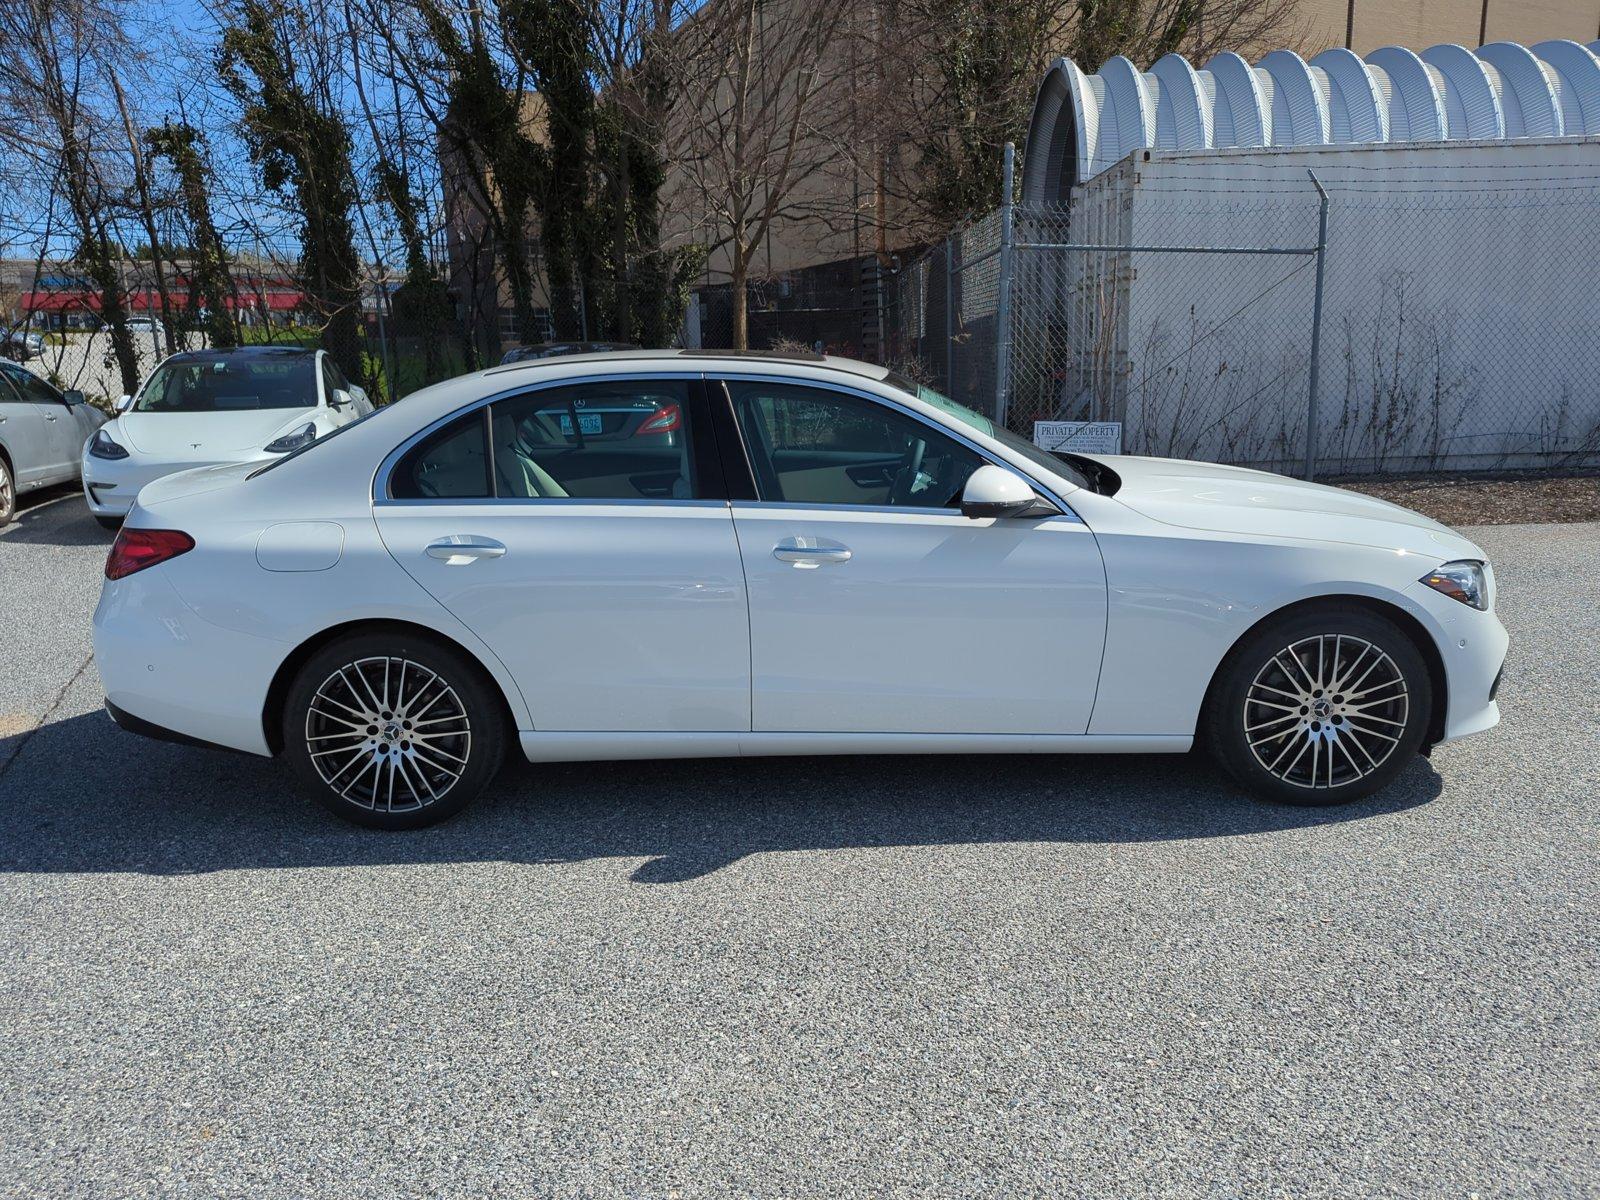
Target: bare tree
pixel 761 122
pixel 144 192
pixel 955 79
pixel 57 53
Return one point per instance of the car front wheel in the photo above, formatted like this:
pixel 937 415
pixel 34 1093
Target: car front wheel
pixel 8 494
pixel 1322 707
pixel 393 730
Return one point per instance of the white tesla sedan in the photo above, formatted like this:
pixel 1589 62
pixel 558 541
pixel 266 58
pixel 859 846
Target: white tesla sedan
pixel 203 407
pixel 774 556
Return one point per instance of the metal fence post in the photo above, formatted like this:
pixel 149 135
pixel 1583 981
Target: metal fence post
pixel 391 391
pixel 949 317
pixel 1002 310
pixel 1316 327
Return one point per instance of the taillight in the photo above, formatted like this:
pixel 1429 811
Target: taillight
pixel 136 549
pixel 666 419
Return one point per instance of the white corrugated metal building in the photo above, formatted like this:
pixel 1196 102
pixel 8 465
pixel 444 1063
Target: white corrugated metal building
pixel 1460 328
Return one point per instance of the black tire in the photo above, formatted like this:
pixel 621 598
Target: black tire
pixel 384 755
pixel 111 523
pixel 8 493
pixel 1261 715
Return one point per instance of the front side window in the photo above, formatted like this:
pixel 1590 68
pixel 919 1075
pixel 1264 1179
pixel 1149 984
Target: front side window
pixel 230 383
pixel 812 446
pixel 979 423
pixel 623 440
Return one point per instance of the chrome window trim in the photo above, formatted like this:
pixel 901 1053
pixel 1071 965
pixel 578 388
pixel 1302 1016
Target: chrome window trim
pixel 982 452
pixel 552 501
pixel 380 480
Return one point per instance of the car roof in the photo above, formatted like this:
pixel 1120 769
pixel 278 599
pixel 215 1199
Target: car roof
pixel 707 359
pixel 242 352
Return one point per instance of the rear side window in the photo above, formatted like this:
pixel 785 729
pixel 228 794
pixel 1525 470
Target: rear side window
pixel 622 440
pixel 451 463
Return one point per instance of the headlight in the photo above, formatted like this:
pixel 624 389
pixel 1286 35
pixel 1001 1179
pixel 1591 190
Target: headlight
pixel 1463 581
pixel 101 445
pixel 303 436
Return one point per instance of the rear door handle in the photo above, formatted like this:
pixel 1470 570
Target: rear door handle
pixel 806 551
pixel 461 548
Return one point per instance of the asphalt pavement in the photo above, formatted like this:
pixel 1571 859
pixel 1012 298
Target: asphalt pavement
pixel 799 977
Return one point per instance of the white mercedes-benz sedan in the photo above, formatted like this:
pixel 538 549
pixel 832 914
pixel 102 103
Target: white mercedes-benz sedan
pixel 203 407
pixel 662 554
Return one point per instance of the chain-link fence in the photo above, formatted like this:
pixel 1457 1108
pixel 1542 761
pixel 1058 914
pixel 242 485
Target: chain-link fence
pixel 1449 323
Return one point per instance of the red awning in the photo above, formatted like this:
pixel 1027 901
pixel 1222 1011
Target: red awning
pixel 145 300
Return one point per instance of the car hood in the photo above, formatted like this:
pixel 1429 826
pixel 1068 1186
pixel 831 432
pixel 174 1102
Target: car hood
pixel 185 437
pixel 1194 495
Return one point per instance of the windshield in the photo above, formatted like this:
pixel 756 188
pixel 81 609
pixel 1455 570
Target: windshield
pixel 982 424
pixel 230 384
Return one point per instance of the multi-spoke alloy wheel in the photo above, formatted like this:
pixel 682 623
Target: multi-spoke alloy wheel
pixel 1319 707
pixel 388 734
pixel 393 733
pixel 8 494
pixel 1326 711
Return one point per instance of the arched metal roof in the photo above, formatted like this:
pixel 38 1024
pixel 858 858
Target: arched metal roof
pixel 1083 124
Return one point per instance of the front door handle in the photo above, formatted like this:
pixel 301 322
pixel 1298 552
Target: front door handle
pixel 461 548
pixel 810 552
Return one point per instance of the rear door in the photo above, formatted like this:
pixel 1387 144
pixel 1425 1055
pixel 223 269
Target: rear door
pixel 582 531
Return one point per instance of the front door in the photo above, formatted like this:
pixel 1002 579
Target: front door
pixel 876 607
pixel 575 530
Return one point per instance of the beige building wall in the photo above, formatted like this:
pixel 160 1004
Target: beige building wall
pixel 1418 24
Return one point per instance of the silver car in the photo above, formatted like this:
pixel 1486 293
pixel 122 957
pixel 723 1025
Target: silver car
pixel 42 432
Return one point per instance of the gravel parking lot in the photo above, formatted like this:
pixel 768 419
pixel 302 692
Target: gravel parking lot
pixel 1062 976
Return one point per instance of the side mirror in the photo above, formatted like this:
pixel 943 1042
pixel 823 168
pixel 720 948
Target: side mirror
pixel 123 402
pixel 73 396
pixel 996 492
pixel 338 398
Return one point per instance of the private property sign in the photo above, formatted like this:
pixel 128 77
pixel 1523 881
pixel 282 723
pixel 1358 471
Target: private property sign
pixel 1083 437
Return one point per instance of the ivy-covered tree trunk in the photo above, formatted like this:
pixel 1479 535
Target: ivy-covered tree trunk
pixel 303 150
pixel 552 38
pixel 210 280
pixel 99 254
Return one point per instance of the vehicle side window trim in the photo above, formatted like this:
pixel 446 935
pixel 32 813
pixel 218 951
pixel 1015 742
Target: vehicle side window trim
pixel 711 483
pixel 828 385
pixel 738 472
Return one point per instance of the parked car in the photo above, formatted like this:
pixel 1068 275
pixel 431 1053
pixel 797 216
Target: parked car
pixel 144 325
pixel 830 560
pixel 20 345
pixel 42 431
pixel 204 407
pixel 560 349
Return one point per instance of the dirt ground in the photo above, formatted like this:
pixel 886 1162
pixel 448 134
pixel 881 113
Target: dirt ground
pixel 1474 500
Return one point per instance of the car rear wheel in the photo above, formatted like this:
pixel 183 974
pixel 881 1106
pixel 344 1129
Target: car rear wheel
pixel 393 731
pixel 1322 707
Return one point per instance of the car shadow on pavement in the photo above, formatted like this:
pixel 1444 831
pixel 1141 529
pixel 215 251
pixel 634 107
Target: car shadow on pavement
pixel 55 518
pixel 83 796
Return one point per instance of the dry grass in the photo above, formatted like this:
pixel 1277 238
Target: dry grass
pixel 1475 500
